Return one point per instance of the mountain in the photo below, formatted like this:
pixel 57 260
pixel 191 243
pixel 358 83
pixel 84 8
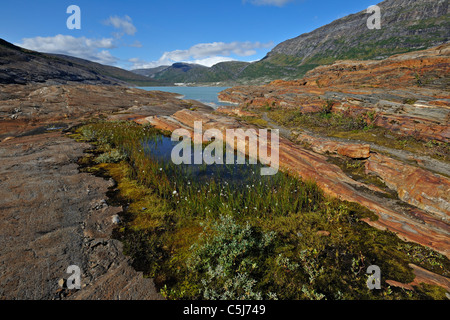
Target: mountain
pixel 150 72
pixel 406 25
pixel 110 71
pixel 195 73
pixel 182 72
pixel 21 66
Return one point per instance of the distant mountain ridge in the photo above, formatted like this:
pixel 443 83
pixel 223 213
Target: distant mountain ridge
pixel 195 73
pixel 150 72
pixel 22 66
pixel 406 25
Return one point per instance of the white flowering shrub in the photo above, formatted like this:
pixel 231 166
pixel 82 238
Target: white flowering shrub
pixel 227 259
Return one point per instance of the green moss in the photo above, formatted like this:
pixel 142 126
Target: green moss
pixel 409 101
pixel 431 292
pixel 277 66
pixel 356 170
pixel 111 156
pixel 255 121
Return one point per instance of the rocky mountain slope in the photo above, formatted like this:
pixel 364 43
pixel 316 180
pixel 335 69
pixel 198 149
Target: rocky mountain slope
pixel 406 25
pixel 72 221
pixel 21 66
pixel 110 71
pixel 150 72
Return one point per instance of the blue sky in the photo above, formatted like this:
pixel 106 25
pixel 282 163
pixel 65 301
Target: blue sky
pixel 135 34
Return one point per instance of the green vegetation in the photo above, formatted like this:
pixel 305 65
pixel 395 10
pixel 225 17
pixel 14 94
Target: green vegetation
pixel 256 238
pixel 255 121
pixel 356 170
pixel 360 127
pixel 324 121
pixel 228 257
pixel 111 156
pixel 327 107
pixel 272 68
pixel 277 66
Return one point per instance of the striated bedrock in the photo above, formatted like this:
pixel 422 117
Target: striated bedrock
pixel 411 223
pixel 52 217
pixel 32 106
pixel 416 186
pixel 406 93
pixel 424 69
pixel 323 145
pixel 23 66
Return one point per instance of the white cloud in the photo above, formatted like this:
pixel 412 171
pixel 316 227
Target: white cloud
pixel 207 54
pixel 125 25
pixel 278 3
pixel 105 57
pixel 85 48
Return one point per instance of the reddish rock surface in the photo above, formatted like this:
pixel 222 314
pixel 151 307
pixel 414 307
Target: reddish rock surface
pixel 34 106
pixel 421 188
pixel 405 93
pixel 53 216
pixel 322 145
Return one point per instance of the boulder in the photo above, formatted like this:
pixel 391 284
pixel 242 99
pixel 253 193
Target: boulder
pixel 416 186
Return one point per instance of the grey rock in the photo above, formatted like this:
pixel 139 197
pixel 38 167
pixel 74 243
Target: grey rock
pixel 115 219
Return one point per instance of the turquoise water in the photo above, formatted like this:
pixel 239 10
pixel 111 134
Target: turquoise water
pixel 206 95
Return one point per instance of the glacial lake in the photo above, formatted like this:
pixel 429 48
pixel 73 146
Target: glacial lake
pixel 206 95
